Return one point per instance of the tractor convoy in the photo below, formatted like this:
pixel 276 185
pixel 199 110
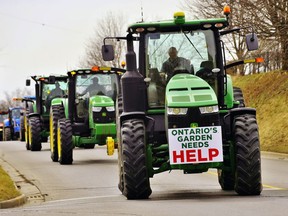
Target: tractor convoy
pixel 174 107
pixel 181 114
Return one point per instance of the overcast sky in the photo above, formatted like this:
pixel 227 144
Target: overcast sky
pixel 49 36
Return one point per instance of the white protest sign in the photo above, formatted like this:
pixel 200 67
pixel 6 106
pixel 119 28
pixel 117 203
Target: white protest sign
pixel 195 145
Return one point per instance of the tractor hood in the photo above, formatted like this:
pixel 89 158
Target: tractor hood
pixel 101 101
pixel 187 90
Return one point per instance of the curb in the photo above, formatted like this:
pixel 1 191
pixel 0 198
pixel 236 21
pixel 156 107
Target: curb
pixel 29 193
pixel 18 201
pixel 274 155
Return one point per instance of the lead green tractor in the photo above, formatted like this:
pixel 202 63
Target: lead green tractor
pixel 36 116
pixel 189 119
pixel 87 116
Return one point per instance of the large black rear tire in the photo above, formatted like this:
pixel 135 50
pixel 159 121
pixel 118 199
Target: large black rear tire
pixel 56 112
pixel 226 179
pixel 65 145
pixel 136 183
pixel 22 129
pixel 7 134
pixel 248 161
pixel 238 96
pixel 119 110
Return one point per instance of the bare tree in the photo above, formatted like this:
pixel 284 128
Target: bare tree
pixel 268 18
pixel 110 25
pixel 276 12
pixel 9 102
pixel 235 45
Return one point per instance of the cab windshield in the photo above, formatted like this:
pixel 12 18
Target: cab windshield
pixel 51 91
pixel 96 84
pixel 3 117
pixel 167 53
pixel 89 85
pixel 16 113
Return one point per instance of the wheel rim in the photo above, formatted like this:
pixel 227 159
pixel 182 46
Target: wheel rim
pixel 59 142
pixel 29 135
pixel 26 130
pixel 51 135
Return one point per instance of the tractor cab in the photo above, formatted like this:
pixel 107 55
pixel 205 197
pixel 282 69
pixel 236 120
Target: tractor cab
pixel 88 116
pixel 92 91
pixel 47 89
pixel 27 102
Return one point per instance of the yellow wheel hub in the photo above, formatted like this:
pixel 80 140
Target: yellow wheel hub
pixel 110 146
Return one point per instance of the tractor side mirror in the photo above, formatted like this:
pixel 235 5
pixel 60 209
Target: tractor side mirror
pixel 252 41
pixel 28 82
pixel 107 52
pixel 52 79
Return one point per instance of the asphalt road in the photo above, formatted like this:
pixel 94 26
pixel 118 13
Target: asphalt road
pixel 89 187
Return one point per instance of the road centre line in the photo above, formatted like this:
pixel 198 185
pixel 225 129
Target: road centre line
pixel 264 185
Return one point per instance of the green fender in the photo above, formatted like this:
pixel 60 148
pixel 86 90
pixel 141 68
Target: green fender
pixel 61 101
pixel 229 97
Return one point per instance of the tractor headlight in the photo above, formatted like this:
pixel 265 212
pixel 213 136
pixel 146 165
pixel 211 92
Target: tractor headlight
pixel 177 111
pixel 110 108
pixel 96 109
pixel 209 109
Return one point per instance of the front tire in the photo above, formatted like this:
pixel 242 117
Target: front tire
pixel 35 134
pixel 136 183
pixel 65 145
pixel 22 129
pixel 238 96
pixel 7 134
pixel 248 161
pixel 56 112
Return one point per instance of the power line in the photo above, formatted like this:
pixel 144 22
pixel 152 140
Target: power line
pixel 37 22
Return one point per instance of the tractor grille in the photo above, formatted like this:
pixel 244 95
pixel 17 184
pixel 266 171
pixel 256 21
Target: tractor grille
pixel 104 116
pixel 193 116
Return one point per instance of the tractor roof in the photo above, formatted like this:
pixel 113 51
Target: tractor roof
pixel 177 24
pixel 16 108
pixel 4 112
pixel 46 79
pixel 97 70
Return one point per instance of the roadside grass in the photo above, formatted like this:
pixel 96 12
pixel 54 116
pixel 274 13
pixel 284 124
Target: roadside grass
pixel 268 93
pixel 7 187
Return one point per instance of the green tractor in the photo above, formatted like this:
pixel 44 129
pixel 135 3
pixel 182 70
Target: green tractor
pixel 186 118
pixel 36 117
pixel 87 116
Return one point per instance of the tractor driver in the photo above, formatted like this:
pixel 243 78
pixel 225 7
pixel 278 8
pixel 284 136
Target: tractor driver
pixel 57 92
pixel 94 88
pixel 172 63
